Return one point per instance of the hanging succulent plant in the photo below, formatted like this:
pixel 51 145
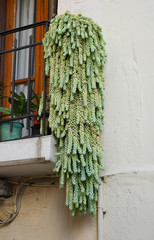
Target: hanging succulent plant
pixel 75 57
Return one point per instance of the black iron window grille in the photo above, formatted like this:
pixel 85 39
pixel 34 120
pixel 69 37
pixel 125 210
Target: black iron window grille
pixel 31 45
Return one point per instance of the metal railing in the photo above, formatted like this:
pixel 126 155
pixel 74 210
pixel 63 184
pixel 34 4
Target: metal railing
pixel 29 90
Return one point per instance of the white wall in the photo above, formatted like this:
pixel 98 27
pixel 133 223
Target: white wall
pixel 128 135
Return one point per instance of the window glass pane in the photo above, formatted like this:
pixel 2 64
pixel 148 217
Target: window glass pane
pixel 25 16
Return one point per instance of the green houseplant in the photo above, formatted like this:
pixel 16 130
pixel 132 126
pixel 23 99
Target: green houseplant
pixel 75 57
pixel 20 109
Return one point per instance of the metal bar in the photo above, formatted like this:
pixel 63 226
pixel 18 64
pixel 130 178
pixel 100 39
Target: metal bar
pixel 20 48
pixel 0 61
pixel 16 139
pixel 18 118
pixel 18 36
pixel 13 85
pixel 34 40
pixel 44 96
pixel 12 118
pixel 29 85
pixel 46 27
pixel 14 30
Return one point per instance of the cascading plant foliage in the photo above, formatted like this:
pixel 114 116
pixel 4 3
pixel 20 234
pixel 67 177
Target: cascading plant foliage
pixel 75 57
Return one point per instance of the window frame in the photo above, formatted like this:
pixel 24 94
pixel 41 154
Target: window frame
pixel 42 14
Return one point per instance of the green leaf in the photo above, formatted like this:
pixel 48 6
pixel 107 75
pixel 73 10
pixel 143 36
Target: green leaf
pixel 37 97
pixel 5 110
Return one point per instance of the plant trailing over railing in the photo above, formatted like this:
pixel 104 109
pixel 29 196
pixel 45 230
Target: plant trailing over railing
pixel 75 56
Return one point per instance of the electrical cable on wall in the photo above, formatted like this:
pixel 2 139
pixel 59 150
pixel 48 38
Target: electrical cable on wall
pixel 23 186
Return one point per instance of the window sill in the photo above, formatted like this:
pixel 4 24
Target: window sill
pixel 27 157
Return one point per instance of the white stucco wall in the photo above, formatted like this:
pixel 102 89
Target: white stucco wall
pixel 128 135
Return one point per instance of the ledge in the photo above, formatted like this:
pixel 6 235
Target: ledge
pixel 27 157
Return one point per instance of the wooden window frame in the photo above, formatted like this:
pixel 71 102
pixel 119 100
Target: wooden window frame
pixel 42 14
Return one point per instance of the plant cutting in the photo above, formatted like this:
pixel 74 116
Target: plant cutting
pixel 75 57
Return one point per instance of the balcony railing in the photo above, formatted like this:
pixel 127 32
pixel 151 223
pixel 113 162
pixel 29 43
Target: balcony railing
pixel 29 114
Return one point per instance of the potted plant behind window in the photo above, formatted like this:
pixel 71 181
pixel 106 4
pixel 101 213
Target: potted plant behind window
pixel 19 109
pixel 35 103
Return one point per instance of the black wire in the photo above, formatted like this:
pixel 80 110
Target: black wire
pixel 20 195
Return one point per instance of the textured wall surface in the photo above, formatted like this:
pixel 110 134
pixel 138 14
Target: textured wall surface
pixel 128 135
pixel 129 114
pixel 129 204
pixel 43 215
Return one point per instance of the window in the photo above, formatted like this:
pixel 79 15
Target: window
pixel 23 24
pixel 18 13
